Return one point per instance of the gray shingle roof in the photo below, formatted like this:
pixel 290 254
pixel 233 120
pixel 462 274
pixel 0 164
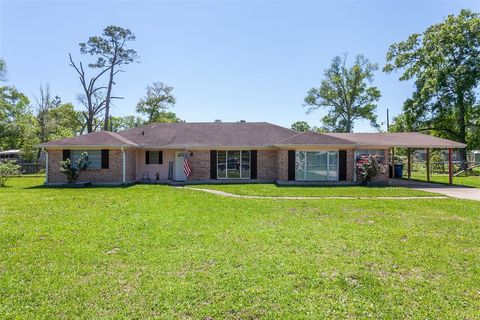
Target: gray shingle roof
pixel 400 139
pixel 243 134
pixel 94 139
pixel 313 138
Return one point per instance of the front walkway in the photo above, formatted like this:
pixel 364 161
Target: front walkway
pixel 454 191
pixel 232 195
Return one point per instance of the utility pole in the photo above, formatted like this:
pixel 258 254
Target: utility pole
pixel 388 122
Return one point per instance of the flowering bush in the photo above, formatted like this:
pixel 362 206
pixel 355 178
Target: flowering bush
pixel 73 172
pixel 7 170
pixel 369 167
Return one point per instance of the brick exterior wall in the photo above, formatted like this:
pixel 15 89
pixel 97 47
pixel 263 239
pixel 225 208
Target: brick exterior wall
pixel 200 164
pixel 384 176
pixel 283 165
pixel 267 164
pixel 350 165
pixel 271 165
pixel 131 165
pixel 111 175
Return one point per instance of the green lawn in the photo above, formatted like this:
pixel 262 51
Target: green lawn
pixel 310 191
pixel 151 251
pixel 470 181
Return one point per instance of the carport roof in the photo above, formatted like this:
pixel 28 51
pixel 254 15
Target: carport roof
pixel 400 140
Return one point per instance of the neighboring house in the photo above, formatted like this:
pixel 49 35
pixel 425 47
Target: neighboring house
pixel 26 167
pixel 223 152
pixel 12 155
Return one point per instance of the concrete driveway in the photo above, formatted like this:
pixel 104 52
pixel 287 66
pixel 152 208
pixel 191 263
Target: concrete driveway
pixel 459 192
pixel 456 192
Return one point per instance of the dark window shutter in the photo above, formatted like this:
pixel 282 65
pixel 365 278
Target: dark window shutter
pixel 253 164
pixel 291 165
pixel 342 165
pixel 160 157
pixel 105 158
pixel 213 164
pixel 147 157
pixel 66 154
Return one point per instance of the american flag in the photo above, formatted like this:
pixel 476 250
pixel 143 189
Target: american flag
pixel 186 168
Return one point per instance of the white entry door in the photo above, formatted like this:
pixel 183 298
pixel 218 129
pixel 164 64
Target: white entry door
pixel 179 174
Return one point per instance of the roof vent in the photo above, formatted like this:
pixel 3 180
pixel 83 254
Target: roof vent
pixel 143 133
pixel 218 121
pixel 243 121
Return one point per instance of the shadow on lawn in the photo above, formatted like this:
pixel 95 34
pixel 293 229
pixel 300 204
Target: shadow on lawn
pixel 438 184
pixel 125 186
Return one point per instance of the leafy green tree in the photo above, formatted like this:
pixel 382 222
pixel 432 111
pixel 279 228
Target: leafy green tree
pixel 56 120
pixel 125 123
pixel 401 123
pixel 18 127
pixel 3 70
pixel 346 93
pixel 67 122
pixel 8 169
pixel 156 103
pixel 132 122
pixel 300 126
pixel 112 54
pixel 444 62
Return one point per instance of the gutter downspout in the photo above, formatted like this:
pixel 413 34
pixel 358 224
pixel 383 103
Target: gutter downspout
pixel 46 165
pixel 123 166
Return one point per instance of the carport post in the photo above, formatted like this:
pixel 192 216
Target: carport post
pixel 428 164
pixel 409 164
pixel 450 166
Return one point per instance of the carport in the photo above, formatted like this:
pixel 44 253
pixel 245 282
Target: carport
pixel 410 141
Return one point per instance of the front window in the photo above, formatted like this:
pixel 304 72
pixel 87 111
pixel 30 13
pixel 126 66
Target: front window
pixel 233 164
pixel 94 156
pixel 316 165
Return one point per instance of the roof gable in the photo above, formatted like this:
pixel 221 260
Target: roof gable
pixel 94 139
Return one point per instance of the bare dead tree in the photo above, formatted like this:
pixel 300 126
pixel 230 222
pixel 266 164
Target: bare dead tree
pixel 92 97
pixel 44 103
pixel 112 53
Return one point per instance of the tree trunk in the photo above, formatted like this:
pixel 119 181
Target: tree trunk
pixel 89 124
pixel 109 93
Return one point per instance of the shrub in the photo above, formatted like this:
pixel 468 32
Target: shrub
pixel 369 167
pixel 73 171
pixel 7 170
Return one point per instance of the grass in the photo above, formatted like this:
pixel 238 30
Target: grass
pixel 469 181
pixel 161 252
pixel 310 191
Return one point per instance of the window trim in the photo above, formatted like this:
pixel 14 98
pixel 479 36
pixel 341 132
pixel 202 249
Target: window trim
pixel 328 166
pixel 226 165
pixel 147 157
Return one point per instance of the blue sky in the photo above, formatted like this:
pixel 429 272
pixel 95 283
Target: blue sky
pixel 226 60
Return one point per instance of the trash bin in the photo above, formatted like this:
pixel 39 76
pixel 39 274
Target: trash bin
pixel 399 171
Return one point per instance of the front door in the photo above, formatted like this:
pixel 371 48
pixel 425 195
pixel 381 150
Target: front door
pixel 179 173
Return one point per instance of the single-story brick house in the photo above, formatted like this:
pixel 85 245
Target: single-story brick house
pixel 226 152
